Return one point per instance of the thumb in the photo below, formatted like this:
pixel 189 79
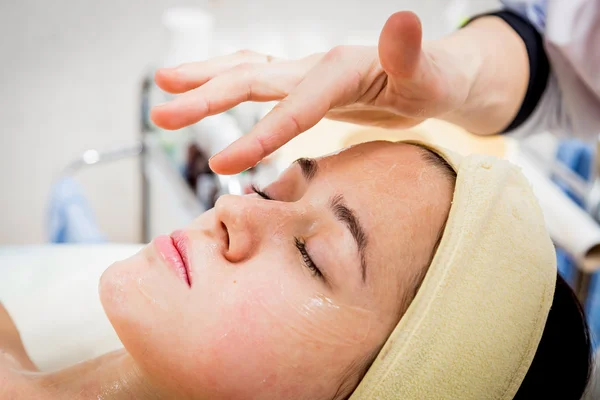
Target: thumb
pixel 400 44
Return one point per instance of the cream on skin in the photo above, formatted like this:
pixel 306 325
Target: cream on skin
pixel 279 305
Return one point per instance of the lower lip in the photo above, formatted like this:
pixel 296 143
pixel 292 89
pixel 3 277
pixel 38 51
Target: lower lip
pixel 170 254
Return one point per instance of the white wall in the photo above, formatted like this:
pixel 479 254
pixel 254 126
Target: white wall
pixel 69 75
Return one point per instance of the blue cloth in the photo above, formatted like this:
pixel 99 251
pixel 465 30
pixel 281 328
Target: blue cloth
pixel 579 157
pixel 70 218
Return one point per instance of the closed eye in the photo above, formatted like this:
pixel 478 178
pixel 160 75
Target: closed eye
pixel 308 262
pixel 259 192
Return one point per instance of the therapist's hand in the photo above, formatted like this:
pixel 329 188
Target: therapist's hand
pixel 398 84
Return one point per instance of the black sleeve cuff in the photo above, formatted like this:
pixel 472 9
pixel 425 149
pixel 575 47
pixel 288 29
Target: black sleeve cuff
pixel 539 67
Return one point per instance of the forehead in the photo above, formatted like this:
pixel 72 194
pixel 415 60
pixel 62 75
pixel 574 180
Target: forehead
pixel 380 175
pixel 401 199
pixel 375 156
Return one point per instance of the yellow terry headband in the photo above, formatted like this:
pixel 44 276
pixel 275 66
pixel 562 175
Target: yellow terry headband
pixel 474 326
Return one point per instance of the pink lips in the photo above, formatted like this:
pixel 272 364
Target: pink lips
pixel 173 250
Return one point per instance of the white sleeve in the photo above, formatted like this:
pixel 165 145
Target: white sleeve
pixel 570 105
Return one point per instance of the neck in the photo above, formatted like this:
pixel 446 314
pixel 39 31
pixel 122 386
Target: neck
pixel 113 376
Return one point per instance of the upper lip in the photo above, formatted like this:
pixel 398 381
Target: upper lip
pixel 180 241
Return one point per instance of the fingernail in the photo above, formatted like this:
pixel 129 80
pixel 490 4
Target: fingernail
pixel 161 104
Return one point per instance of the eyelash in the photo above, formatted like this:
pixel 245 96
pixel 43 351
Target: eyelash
pixel 308 262
pixel 259 192
pixel 300 244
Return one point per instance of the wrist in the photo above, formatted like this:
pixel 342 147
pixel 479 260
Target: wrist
pixel 459 68
pixel 494 61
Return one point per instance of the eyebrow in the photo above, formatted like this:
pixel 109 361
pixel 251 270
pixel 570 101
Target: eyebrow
pixel 349 218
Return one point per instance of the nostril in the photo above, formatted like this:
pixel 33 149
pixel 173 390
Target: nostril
pixel 226 236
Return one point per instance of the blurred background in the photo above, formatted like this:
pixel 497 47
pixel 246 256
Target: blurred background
pixel 71 78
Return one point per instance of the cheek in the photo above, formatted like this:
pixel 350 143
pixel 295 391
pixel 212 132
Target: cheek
pixel 283 340
pixel 317 321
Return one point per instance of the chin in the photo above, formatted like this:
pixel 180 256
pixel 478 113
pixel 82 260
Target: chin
pixel 118 297
pixel 129 301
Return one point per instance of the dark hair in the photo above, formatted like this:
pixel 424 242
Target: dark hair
pixel 562 364
pixel 439 162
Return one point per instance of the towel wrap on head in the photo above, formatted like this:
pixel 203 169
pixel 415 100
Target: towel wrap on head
pixel 474 326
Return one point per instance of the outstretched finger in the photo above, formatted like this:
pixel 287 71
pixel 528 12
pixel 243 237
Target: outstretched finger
pixel 189 76
pixel 246 82
pixel 325 87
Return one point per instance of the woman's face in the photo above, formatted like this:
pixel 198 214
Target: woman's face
pixel 290 298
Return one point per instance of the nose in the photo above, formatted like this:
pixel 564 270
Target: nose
pixel 246 219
